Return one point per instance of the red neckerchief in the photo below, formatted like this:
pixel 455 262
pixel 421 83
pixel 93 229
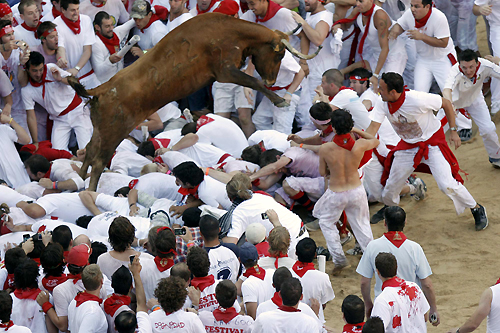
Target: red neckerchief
pixel 395 237
pixel 160 143
pixel 212 3
pixel 262 247
pixel 98 4
pixel 161 13
pixel 55 12
pixel 394 106
pixel 256 271
pixel 27 293
pixel 202 282
pixel 73 26
pixel 112 44
pixel 353 328
pixel 367 27
pixel 475 73
pixel 345 88
pixel 288 308
pixel 189 191
pixel 498 281
pixel 7 325
pixel 330 98
pixel 423 21
pixel 344 140
pixel 41 83
pixel 327 131
pixel 280 255
pixel 202 121
pixel 9 282
pixel 226 315
pixel 37 260
pixel 132 183
pixel 114 302
pixel 300 268
pixel 272 9
pixel 393 282
pixel 27 27
pixel 84 296
pixel 50 282
pixel 163 263
pixel 75 277
pixel 276 299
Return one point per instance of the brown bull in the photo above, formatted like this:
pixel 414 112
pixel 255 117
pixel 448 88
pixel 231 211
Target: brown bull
pixel 210 47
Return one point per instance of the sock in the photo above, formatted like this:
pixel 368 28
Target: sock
pixel 303 200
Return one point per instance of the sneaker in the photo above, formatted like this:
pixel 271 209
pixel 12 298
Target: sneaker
pixel 480 217
pixel 312 226
pixel 465 134
pixel 421 189
pixel 340 267
pixel 320 250
pixel 355 251
pixel 346 239
pixel 495 162
pixel 378 216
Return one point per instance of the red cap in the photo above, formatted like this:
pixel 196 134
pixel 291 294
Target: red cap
pixel 228 7
pixel 79 255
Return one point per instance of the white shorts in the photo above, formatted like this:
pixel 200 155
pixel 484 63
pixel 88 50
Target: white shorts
pixel 313 187
pixel 229 97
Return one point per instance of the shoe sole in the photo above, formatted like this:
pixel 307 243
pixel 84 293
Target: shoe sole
pixel 346 240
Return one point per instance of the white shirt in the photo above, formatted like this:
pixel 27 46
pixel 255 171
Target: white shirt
pixel 150 276
pixel 304 162
pixel 494 17
pixel 270 306
pixel 326 58
pixel 278 321
pixel 86 318
pixel 316 284
pixel 179 321
pixel 412 263
pixel 25 35
pixel 213 193
pixel 61 170
pixel 114 8
pixel 436 26
pixel 143 322
pixel 348 99
pixel 415 120
pixel 18 329
pixel 206 155
pixel 152 35
pixel 10 67
pixel 27 312
pixel 493 321
pixel 240 323
pixel 224 265
pixel 272 139
pixel 128 163
pixel 6 87
pixel 255 290
pixel 50 225
pixel 464 90
pixel 288 68
pixel 56 206
pixel 11 197
pixel 11 167
pixel 159 185
pixel 109 264
pixel 171 25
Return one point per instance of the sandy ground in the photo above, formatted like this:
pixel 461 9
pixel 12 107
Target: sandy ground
pixel 463 260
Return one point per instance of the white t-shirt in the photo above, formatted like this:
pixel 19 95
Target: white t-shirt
pixel 88 317
pixel 240 165
pixel 348 99
pixel 493 321
pixel 240 323
pixel 179 321
pixel 304 162
pixel 415 120
pixel 386 133
pixel 114 8
pixel 326 57
pixel 150 276
pixel 281 321
pixel 316 284
pixel 159 185
pixel 18 329
pixel 412 263
pixel 143 322
pixel 50 225
pixel 11 197
pixel 213 193
pixel 152 35
pixel 25 35
pixel 109 264
pixel 224 265
pixel 494 17
pixel 255 290
pixel 288 68
pixel 57 205
pixel 27 312
pixel 65 292
pixel 206 155
pixel 271 306
pixel 61 170
pixel 32 190
pixel 272 139
pixel 6 87
pixel 171 25
pixel 109 182
pixel 128 163
pixel 11 167
pixel 10 67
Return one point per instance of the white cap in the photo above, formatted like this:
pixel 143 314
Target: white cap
pixel 255 233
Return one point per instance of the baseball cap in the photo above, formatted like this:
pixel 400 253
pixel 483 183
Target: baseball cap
pixel 255 233
pixel 248 252
pixel 139 9
pixel 79 255
pixel 228 7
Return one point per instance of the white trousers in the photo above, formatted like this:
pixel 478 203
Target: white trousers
pixel 267 116
pixel 372 173
pixel 487 129
pixel 402 167
pixel 495 84
pixel 79 121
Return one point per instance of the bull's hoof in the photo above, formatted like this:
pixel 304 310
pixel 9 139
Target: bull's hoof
pixel 282 104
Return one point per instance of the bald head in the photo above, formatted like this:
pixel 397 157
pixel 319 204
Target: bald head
pixel 82 239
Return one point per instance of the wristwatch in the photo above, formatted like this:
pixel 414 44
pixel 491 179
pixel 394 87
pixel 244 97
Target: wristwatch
pixel 453 129
pixel 77 68
pixel 376 75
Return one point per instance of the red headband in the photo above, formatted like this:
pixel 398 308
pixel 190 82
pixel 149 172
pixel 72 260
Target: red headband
pixel 163 228
pixel 47 32
pixel 359 78
pixel 4 9
pixel 6 30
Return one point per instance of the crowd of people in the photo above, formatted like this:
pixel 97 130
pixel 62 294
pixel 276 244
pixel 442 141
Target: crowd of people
pixel 201 221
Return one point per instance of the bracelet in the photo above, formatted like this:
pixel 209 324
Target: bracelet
pixel 301 145
pixel 376 75
pixel 156 307
pixel 190 244
pixel 206 171
pixel 47 306
pixel 130 206
pixel 54 185
pixel 10 120
pixel 289 93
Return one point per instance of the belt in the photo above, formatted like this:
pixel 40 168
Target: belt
pixel 74 103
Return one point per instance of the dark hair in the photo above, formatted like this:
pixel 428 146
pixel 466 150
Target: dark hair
pixel 37 249
pixel 353 309
pixel 209 227
pixel 2 182
pixel 35 59
pixel 73 269
pixel 291 291
pixel 98 248
pixel 171 293
pixel 426 2
pixel 334 76
pixel 121 234
pixel 198 262
pixel 342 121
pixel 321 111
pixel 44 26
pixel 26 275
pixel 102 15
pixel 25 3
pixel 268 157
pixel 251 154
pixel 225 293
pixel 373 325
pixel 394 81
pixel 36 163
pixel 386 264
pixel 363 73
pixel 65 3
pixel 164 242
pixel 191 217
pixel 13 257
pixel 306 249
pixel 5 306
pixel 181 270
pixel 395 218
pixel 63 236
pixel 188 128
pixel 126 322
pixel 146 148
pixel 52 259
pixel 24 155
pixel 121 280
pixel 189 173
pixel 123 191
pixel 4 23
pixel 83 221
pixel 467 55
pixel 279 276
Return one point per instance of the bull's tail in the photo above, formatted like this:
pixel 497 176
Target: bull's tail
pixel 78 87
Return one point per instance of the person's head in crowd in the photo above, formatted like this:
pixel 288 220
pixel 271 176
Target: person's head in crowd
pixel 149 168
pixel 165 243
pixel 83 221
pixel 63 236
pixel 252 154
pixel 122 192
pixel 386 265
pixel 342 121
pixel 37 165
pixel 291 292
pixel 395 218
pixel 248 255
pixel 177 7
pixel 209 229
pixel 4 183
pixel 373 325
pixel 280 275
pixel 29 13
pixel 306 250
pixel 13 257
pixel 26 275
pixel 78 258
pixel 226 293
pixel 146 148
pixel 468 62
pixel 126 322
pixel 103 24
pixel 353 310
pixel 255 233
pixel 98 248
pixel 5 306
pixel 6 12
pixel 359 80
pixel 390 86
pixel 7 32
pixel 171 293
pixel 198 262
pixel 56 5
pixel 71 9
pixel 37 249
pixel 52 260
pixel 270 156
pixel 188 128
pixel 121 234
pixel 331 82
pixel 182 271
pixel 191 217
pixel 239 188
pixel 188 175
pixel 47 33
pixel 141 13
pixel 279 242
pixel 320 114
pixel 92 277
pixel 82 239
pixel 121 281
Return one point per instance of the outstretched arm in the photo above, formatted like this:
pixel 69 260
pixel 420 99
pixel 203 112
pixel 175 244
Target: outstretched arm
pixel 482 311
pixel 271 168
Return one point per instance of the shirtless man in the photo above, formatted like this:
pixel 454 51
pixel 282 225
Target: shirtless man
pixel 340 160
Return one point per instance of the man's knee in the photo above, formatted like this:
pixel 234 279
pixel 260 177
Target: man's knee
pixel 288 189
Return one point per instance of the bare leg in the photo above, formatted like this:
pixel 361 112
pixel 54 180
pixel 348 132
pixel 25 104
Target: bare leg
pixel 245 116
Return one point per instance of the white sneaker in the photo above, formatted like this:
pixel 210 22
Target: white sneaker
pixel 421 189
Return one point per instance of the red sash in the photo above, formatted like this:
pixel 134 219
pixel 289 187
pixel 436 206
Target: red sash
pixel 114 302
pixel 262 247
pixel 189 191
pixel 300 268
pixel 27 27
pixel 73 26
pixel 423 21
pixel 353 328
pixel 112 44
pixel 272 9
pixel 84 296
pixel 226 315
pixel 75 277
pixel 202 282
pixel 280 255
pixel 74 103
pixel 394 106
pixel 160 143
pixel 256 271
pixel 397 238
pixel 160 13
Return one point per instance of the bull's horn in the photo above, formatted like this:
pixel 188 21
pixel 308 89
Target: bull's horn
pixel 297 53
pixel 289 33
